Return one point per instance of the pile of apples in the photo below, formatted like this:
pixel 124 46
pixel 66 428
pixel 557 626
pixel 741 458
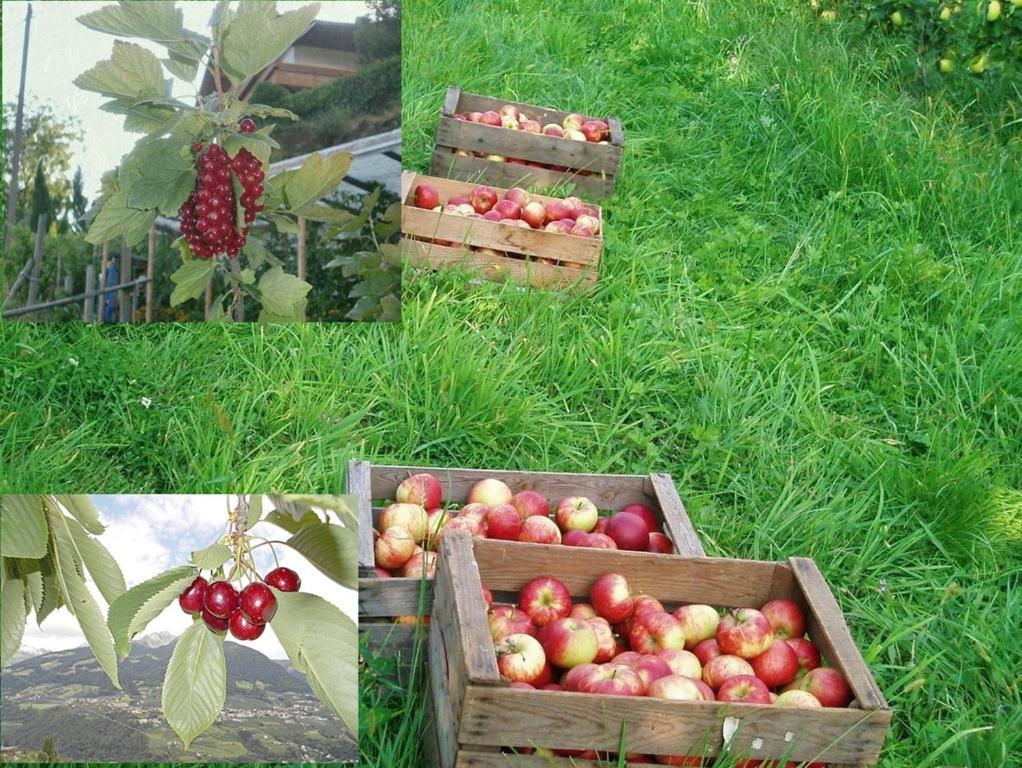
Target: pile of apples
pixel 574 126
pixel 410 528
pixel 627 644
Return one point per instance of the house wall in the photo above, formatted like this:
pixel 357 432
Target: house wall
pixel 310 56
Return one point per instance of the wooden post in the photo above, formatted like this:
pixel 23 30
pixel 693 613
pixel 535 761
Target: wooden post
pixel 12 190
pixel 69 283
pixel 134 301
pixel 103 280
pixel 301 248
pixel 125 276
pixel 90 301
pixel 150 269
pixel 60 268
pixel 37 264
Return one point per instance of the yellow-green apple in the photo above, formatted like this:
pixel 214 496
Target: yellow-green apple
pixel 574 538
pixel 720 668
pixel 826 684
pixel 650 631
pixel 534 214
pixel 411 517
pixel 607 645
pixel 583 611
pixel 994 10
pixel 569 642
pixel 436 520
pixel 745 689
pixel 570 679
pixel 807 653
pixel 659 544
pixel 420 564
pixel 553 129
pixel 611 597
pixel 651 667
pixel 506 121
pixel 489 117
pixel 490 491
pixel 530 126
pixel 612 679
pixel 545 599
pixel 785 617
pixel 645 603
pixel 682 662
pixel 503 522
pixel 797 699
pixel 745 632
pixel 507 620
pixel 426 196
pixel 422 488
pixel 628 531
pixel 573 121
pixel 394 547
pixel 520 658
pixel 828 16
pixel 574 135
pixel 518 195
pixel 777 665
pixel 509 110
pixel 483 198
pixel 597 540
pixel 699 622
pixel 576 513
pixel 675 687
pixel 539 530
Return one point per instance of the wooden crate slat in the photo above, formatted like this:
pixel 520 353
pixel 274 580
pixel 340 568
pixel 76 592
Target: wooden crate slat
pixel 677 523
pixel 449 187
pixel 451 100
pixel 494 716
pixel 391 639
pixel 538 148
pixel 471 758
pixel 444 163
pixel 358 486
pixel 393 597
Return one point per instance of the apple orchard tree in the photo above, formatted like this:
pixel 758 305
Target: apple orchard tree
pixel 208 163
pixel 49 542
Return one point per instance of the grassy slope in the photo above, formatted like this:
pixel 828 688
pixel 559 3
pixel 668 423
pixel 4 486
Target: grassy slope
pixel 809 314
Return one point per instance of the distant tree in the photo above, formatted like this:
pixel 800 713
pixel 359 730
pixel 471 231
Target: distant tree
pixel 385 9
pixel 42 204
pixel 79 204
pixel 47 139
pixel 48 754
pixel 379 36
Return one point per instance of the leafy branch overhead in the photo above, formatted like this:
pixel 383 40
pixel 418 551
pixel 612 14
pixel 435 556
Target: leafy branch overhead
pixel 207 163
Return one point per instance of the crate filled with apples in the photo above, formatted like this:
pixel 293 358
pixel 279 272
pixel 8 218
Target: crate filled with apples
pixel 583 656
pixel 405 511
pixel 508 143
pixel 503 234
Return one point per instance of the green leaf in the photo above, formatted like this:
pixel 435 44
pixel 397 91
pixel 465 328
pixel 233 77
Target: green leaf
pixel 257 35
pixel 12 618
pixel 259 145
pixel 297 504
pixel 317 176
pixel 132 72
pixel 195 687
pixel 77 598
pixel 138 118
pixel 157 21
pixel 256 254
pixel 84 511
pixel 31 573
pixel 284 223
pixel 255 510
pixel 264 111
pixel 117 219
pixel 24 526
pixel 211 557
pixel 333 549
pixel 321 212
pixel 102 567
pixel 133 610
pixel 321 643
pixel 282 296
pixel 217 312
pixel 52 599
pixel 289 524
pixel 190 280
pixel 181 67
pixel 158 174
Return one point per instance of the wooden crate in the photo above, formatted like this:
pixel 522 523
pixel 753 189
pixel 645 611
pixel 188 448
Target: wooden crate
pixel 381 600
pixel 591 168
pixel 578 257
pixel 481 720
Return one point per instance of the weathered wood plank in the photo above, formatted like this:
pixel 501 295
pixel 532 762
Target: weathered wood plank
pixel 394 597
pixel 478 169
pixel 677 524
pixel 359 485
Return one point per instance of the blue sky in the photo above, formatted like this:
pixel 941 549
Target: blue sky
pixel 151 534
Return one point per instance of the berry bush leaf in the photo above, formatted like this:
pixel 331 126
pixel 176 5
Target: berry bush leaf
pixel 134 609
pixel 190 280
pixel 132 72
pixel 24 527
pixel 333 549
pixel 257 35
pixel 84 511
pixel 158 175
pixel 255 511
pixel 321 643
pixel 118 219
pixel 79 601
pixel 282 296
pixel 256 143
pixel 12 618
pixel 158 21
pixel 211 557
pixel 317 176
pixel 102 567
pixel 138 118
pixel 195 687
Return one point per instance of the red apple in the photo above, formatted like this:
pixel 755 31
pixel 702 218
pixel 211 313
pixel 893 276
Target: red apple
pixel 598 541
pixel 423 488
pixel 534 214
pixel 579 231
pixel 464 523
pixel 593 223
pixel 651 631
pixel 503 522
pixel 612 597
pixel 520 658
pixel 675 687
pixel 628 531
pixel 699 622
pixel 508 209
pixel 436 520
pixel 682 662
pixel 746 689
pixel 607 645
pixel 539 530
pixel 808 654
pixel 530 126
pixel 490 118
pixel 426 196
pixel 545 599
pixel 583 611
pixel 576 513
pixel 660 544
pixel 492 215
pixel 394 547
pixel 646 513
pixel 490 492
pixel 719 669
pixel 458 200
pixel 601 525
pixel 420 564
pixel 571 678
pixel 708 694
pixel 574 538
pixel 508 620
pixel 519 196
pixel 612 679
pixel 411 517
pixel 569 642
pixel 483 198
pixel 651 667
pixel 745 633
pixel 776 666
pixel 785 617
pixel 383 573
pixel 557 210
pixel 826 684
pixel 592 131
pixel 558 227
pixel 552 129
pixel 797 699
pixel 509 110
pixel 645 603
pixel 573 121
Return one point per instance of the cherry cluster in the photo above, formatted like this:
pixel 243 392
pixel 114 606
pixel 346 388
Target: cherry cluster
pixel 245 612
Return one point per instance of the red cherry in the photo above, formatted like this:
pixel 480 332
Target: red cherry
pixel 221 599
pixel 283 579
pixel 191 599
pixel 247 125
pixel 215 623
pixel 243 628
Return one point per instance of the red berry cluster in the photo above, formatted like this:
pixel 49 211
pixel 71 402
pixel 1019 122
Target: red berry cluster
pixel 249 171
pixel 245 613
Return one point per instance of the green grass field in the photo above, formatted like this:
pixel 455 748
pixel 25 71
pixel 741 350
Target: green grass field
pixel 809 313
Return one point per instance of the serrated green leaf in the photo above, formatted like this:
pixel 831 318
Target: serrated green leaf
pixel 284 224
pixel 333 549
pixel 77 598
pixel 81 508
pixel 190 280
pixel 255 510
pixel 257 35
pixel 158 175
pixel 211 557
pixel 52 599
pixel 195 686
pixel 321 212
pixel 289 524
pixel 217 312
pixel 97 558
pixel 282 296
pixel 132 72
pixel 158 21
pixel 138 118
pixel 259 145
pixel 317 176
pixel 12 618
pixel 256 254
pixel 298 503
pixel 181 67
pixel 133 610
pixel 24 526
pixel 116 219
pixel 321 643
pixel 31 574
pixel 264 111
